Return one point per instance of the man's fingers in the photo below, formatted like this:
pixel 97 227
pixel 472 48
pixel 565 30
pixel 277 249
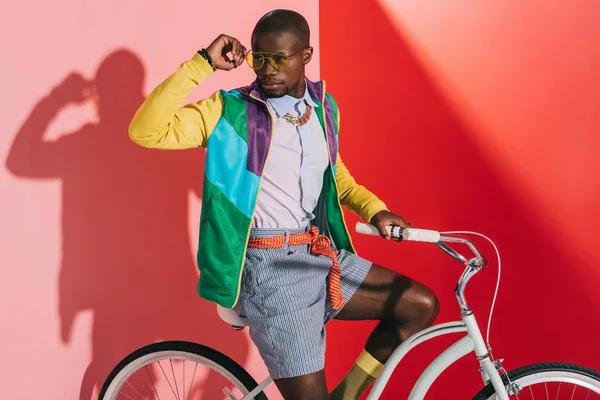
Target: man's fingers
pixel 405 224
pixel 384 218
pixel 242 54
pixel 238 52
pixel 227 64
pixel 227 52
pixel 382 231
pixel 399 221
pixel 227 44
pixel 235 51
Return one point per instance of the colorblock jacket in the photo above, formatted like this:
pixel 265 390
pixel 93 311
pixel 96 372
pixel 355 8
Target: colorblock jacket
pixel 236 128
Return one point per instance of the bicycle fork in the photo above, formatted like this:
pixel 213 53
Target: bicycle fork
pixel 490 369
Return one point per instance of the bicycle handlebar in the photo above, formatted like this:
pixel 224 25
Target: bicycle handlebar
pixel 440 239
pixel 425 235
pixel 412 234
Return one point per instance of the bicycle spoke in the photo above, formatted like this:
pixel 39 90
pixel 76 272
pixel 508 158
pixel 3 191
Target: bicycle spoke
pixel 192 382
pixel 135 390
pixel 121 392
pixel 169 382
pixel 132 383
pixel 152 380
pixel 141 380
pixel 174 379
pixel 553 389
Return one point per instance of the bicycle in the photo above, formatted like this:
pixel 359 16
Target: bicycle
pixel 128 380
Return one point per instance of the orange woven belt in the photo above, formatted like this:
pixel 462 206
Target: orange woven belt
pixel 319 246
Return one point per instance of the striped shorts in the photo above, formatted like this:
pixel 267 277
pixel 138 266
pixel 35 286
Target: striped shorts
pixel 284 299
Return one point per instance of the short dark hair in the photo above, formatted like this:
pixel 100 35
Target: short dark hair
pixel 278 21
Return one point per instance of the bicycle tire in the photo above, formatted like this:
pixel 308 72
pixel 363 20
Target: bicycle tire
pixel 545 372
pixel 201 354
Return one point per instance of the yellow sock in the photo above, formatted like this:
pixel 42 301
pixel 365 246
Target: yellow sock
pixel 358 379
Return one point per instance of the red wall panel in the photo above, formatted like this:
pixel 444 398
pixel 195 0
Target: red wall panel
pixel 460 117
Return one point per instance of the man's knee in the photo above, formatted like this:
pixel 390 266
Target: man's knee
pixel 430 307
pixel 421 310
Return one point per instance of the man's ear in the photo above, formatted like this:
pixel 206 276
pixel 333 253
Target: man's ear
pixel 308 53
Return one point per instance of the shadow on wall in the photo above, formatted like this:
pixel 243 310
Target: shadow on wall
pixel 423 163
pixel 126 253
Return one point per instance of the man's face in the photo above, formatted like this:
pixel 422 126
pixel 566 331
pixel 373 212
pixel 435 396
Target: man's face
pixel 289 80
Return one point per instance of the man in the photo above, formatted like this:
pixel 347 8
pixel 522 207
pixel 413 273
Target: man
pixel 273 181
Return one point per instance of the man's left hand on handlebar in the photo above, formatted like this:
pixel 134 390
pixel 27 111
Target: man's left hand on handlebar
pixel 386 218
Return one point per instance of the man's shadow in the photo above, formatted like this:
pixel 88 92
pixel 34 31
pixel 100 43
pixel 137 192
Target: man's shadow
pixel 126 253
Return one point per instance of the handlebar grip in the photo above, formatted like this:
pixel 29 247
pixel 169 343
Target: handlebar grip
pixel 411 234
pixel 421 235
pixel 368 229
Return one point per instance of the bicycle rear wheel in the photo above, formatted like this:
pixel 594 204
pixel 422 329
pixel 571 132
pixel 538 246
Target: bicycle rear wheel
pixel 555 381
pixel 180 370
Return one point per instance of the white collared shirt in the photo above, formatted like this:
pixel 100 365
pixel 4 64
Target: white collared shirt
pixel 293 175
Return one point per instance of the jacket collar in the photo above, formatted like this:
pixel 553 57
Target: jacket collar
pixel 315 90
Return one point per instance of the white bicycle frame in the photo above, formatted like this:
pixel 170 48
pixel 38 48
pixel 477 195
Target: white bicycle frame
pixel 472 342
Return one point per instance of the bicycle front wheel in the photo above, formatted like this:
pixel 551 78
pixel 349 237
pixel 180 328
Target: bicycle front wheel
pixel 550 381
pixel 180 370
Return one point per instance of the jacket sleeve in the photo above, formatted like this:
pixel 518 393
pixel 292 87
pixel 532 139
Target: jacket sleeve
pixel 162 123
pixel 355 197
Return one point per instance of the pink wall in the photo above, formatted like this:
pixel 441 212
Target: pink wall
pixel 98 236
pixel 491 113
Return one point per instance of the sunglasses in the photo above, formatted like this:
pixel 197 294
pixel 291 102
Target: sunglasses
pixel 278 61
